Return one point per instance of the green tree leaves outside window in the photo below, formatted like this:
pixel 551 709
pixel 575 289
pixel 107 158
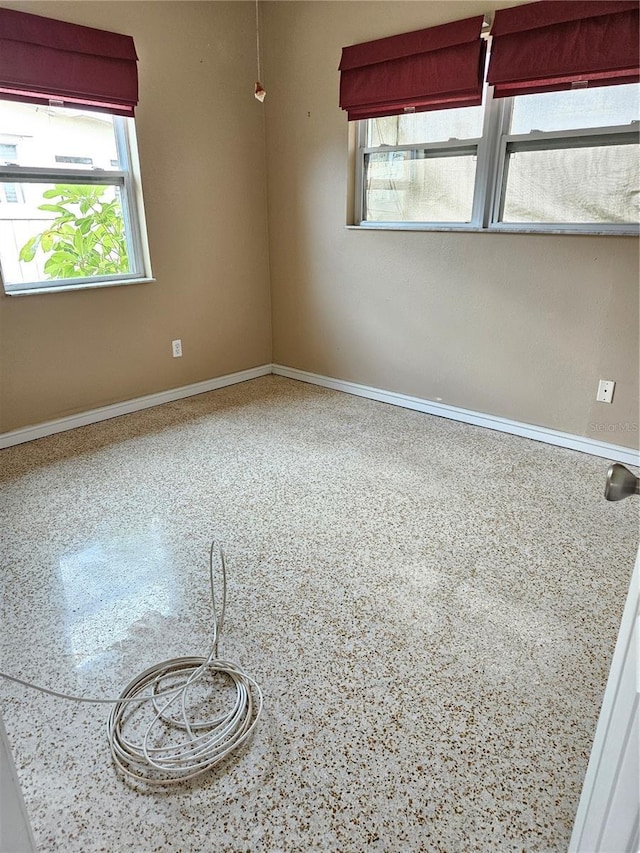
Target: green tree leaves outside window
pixel 87 237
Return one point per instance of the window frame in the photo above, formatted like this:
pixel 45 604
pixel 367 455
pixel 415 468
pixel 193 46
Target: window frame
pixel 492 172
pixel 128 179
pixel 459 148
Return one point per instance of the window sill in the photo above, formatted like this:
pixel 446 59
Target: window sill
pixel 503 229
pixel 29 291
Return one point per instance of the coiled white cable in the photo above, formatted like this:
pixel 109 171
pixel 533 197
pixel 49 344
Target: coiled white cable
pixel 174 747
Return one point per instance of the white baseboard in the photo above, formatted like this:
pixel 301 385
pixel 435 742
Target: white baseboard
pixel 584 444
pixel 593 446
pixel 18 436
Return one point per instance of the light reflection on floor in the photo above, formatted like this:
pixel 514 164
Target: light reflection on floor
pixel 110 585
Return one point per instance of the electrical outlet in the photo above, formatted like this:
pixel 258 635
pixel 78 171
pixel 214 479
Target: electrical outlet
pixel 605 390
pixel 176 348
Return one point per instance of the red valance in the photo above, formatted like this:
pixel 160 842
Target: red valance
pixel 43 60
pixel 429 69
pixel 553 45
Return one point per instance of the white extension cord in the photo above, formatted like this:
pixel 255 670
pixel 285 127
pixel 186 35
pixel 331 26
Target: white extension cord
pixel 160 755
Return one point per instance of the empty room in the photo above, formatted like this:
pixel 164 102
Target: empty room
pixel 319 426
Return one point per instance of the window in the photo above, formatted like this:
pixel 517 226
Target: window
pixel 553 145
pixel 74 218
pixel 73 215
pixel 8 192
pixel 564 161
pixel 85 161
pixel 421 167
pixel 8 153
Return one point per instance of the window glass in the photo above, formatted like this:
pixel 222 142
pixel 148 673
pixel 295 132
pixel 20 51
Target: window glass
pixel 53 136
pixel 8 153
pixel 573 185
pixel 431 126
pixel 405 186
pixel 603 106
pixel 64 231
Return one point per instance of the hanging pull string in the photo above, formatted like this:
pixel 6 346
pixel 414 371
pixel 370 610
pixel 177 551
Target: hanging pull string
pixel 160 757
pixel 258 40
pixel 259 90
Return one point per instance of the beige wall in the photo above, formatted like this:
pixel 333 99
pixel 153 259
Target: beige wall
pixel 201 140
pixel 515 325
pixel 519 326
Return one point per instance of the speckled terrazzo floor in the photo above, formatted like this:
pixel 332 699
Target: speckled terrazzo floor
pixel 429 607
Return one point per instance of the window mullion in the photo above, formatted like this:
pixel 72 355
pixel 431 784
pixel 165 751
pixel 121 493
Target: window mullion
pixel 497 179
pixel 485 162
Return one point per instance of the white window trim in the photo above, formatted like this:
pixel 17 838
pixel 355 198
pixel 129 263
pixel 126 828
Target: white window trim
pixel 128 178
pixel 490 174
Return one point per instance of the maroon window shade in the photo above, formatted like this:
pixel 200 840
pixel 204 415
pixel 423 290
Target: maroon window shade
pixel 43 60
pixel 553 45
pixel 430 69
